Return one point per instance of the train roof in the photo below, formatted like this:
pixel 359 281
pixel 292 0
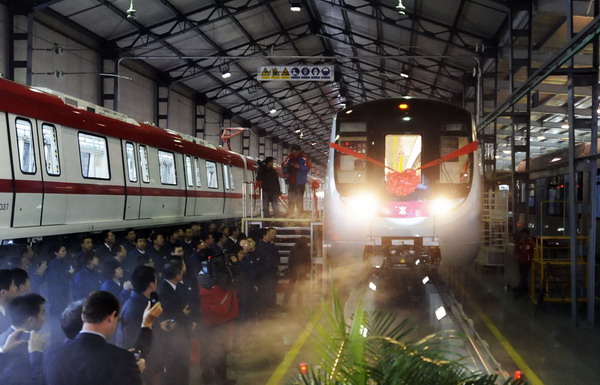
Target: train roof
pixel 54 107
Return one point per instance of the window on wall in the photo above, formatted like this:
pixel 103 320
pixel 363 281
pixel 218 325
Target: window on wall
pixel 50 149
pixel 144 164
pixel 25 146
pixel 212 181
pixel 166 165
pixel 93 153
pixel 131 166
pixel 197 170
pixel 189 173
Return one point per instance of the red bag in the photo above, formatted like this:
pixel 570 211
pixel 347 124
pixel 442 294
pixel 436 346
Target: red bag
pixel 218 306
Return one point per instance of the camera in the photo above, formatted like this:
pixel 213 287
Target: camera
pixel 153 298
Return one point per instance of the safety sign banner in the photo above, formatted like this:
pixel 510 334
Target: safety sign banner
pixel 296 73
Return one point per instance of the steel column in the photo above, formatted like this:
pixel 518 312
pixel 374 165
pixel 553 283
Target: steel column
pixel 572 187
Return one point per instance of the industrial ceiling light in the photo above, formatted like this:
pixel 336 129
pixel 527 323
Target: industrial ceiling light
pixel 224 68
pixel 131 12
pixel 401 8
pixel 272 109
pixel 404 75
pixel 295 5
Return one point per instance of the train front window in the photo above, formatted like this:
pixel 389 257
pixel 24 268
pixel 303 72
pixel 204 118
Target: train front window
pixel 456 170
pixel 402 152
pixel 351 170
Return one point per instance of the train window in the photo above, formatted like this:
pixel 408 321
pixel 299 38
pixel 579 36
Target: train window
pixel 50 149
pixel 228 173
pixel 144 164
pixel 350 170
pixel 403 151
pixel 25 146
pixel 197 170
pixel 212 180
pixel 456 170
pixel 189 174
pixel 130 155
pixel 226 179
pixel 166 165
pixel 93 152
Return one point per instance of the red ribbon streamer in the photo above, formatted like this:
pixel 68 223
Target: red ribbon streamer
pixel 407 181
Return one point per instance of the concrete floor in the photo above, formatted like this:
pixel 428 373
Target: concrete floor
pixel 555 352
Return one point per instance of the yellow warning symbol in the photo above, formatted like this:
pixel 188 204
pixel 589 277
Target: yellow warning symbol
pixel 265 73
pixel 275 72
pixel 402 260
pixel 285 72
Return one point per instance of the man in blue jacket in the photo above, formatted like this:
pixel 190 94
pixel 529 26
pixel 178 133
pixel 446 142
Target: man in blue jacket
pixel 296 167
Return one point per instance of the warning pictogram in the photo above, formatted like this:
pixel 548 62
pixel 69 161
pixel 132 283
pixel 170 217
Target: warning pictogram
pixel 297 73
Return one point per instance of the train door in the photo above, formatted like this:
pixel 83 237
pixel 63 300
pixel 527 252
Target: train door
pixel 6 185
pixel 190 187
pixel 133 188
pixel 55 180
pixel 27 210
pixel 198 178
pixel 213 199
pixel 145 202
pixel 227 184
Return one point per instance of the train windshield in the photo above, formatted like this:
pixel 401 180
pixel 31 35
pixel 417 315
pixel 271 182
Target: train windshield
pixel 378 139
pixel 402 152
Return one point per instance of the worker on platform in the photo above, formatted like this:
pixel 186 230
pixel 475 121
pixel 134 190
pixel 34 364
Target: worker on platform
pixel 271 190
pixel 524 249
pixel 296 167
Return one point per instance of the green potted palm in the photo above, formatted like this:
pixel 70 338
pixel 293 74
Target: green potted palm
pixel 373 349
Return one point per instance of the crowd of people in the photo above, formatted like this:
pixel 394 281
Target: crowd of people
pixel 128 311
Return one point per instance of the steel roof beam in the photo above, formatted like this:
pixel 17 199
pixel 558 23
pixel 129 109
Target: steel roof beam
pixel 407 52
pixel 417 19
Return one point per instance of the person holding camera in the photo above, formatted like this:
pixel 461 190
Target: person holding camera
pixel 296 166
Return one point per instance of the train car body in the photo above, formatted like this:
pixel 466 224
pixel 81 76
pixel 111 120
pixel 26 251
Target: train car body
pixel 68 166
pixel 440 219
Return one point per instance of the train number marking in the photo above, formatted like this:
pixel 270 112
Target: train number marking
pixel 4 206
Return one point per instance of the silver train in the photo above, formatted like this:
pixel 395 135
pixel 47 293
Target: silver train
pixel 68 166
pixel 369 213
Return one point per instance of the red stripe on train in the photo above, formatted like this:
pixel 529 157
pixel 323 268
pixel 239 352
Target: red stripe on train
pixel 35 187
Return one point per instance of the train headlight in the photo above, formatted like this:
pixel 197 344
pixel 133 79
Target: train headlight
pixel 441 206
pixel 362 206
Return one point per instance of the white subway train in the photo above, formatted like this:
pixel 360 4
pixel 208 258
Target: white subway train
pixel 69 166
pixel 432 214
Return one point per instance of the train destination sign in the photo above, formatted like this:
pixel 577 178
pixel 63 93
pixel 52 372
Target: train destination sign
pixel 296 73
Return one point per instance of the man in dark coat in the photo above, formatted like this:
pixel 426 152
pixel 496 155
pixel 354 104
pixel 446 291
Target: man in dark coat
pixel 143 280
pixel 89 359
pixel 8 291
pixel 271 190
pixel 175 341
pixel 23 364
pixel 267 266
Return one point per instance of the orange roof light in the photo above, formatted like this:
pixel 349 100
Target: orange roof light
pixel 403 106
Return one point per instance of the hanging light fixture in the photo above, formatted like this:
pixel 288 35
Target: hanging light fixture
pixel 131 11
pixel 224 68
pixel 295 5
pixel 401 8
